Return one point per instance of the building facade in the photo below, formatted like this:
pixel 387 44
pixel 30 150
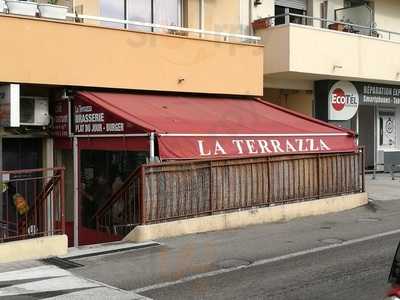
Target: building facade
pixel 312 46
pixel 153 47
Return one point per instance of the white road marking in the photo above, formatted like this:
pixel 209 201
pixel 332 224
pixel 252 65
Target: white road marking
pixel 47 285
pixel 99 293
pixel 52 279
pixel 33 273
pixel 264 261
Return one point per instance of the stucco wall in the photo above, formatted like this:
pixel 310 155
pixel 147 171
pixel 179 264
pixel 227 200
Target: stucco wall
pixel 103 57
pixel 300 101
pixel 387 14
pixel 222 15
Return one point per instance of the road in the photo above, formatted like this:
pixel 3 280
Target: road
pixel 345 268
pixel 357 271
pixel 339 256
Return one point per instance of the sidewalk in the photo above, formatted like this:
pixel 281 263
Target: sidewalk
pixel 383 188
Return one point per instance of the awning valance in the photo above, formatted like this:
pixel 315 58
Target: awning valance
pixel 205 127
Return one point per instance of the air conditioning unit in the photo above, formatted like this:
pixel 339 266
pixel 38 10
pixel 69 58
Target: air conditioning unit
pixel 34 111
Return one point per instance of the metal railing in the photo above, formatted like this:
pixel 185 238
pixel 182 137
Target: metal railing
pixel 31 203
pixel 174 30
pixel 121 213
pixel 324 23
pixel 177 190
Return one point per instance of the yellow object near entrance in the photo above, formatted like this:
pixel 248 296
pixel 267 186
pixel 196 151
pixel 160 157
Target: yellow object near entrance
pixel 20 204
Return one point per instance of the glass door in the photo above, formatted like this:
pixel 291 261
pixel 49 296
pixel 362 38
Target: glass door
pixel 387 129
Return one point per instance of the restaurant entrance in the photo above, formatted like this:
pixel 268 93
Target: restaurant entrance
pixel 102 174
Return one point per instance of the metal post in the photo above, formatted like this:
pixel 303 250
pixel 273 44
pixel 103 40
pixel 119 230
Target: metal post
pixel 319 174
pixel 152 147
pixel 375 143
pixel 142 195
pixel 363 168
pixel 62 200
pixel 287 16
pixel 76 191
pixel 49 163
pixel 1 178
pixel 358 128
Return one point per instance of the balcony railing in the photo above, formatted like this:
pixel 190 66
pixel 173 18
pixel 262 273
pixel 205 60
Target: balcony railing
pixel 176 30
pixel 173 30
pixel 331 24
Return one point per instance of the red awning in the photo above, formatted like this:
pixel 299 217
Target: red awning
pixel 204 127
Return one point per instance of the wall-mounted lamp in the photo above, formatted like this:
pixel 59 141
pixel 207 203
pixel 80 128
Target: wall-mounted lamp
pixel 397 74
pixel 257 2
pixel 181 80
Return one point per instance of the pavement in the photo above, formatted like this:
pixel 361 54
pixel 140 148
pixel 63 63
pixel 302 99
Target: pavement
pixel 383 188
pixel 334 256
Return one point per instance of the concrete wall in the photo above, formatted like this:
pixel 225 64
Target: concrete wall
pixel 37 248
pixel 387 15
pixel 300 101
pixel 246 218
pixel 266 9
pixel 356 55
pixel 222 15
pixel 61 53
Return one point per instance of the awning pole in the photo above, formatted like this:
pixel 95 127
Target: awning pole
pixel 76 191
pixel 152 147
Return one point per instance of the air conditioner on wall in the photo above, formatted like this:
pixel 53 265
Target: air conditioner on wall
pixel 34 111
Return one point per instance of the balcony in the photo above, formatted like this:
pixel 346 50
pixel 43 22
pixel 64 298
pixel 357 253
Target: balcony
pixel 340 51
pixel 71 53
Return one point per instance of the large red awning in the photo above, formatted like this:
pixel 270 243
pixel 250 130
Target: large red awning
pixel 204 127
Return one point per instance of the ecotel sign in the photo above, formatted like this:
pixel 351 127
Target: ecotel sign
pixel 343 101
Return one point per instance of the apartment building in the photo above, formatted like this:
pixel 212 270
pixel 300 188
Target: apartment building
pixel 154 48
pixel 89 87
pixel 337 60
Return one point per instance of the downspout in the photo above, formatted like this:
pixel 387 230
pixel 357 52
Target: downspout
pixel 152 147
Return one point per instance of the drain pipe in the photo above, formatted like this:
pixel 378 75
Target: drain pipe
pixel 152 151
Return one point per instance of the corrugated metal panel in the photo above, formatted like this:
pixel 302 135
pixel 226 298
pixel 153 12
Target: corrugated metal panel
pixel 297 4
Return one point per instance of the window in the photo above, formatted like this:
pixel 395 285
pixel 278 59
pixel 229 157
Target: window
pixel 281 10
pixel 163 12
pixel 140 11
pixel 112 9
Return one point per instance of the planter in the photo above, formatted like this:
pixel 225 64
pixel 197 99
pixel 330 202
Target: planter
pixel 25 8
pixel 52 11
pixel 261 24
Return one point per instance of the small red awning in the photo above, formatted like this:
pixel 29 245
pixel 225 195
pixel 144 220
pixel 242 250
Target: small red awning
pixel 204 127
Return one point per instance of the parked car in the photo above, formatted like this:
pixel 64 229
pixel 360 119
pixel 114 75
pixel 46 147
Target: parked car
pixel 394 278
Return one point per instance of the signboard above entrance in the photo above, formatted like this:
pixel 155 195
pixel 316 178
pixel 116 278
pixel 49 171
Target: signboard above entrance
pixel 343 101
pixel 339 100
pixel 379 94
pixel 91 119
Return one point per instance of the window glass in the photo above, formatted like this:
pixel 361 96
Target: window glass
pixel 112 9
pixel 166 12
pixel 281 10
pixel 140 11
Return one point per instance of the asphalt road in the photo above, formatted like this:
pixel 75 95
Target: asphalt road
pixel 349 271
pixel 357 271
